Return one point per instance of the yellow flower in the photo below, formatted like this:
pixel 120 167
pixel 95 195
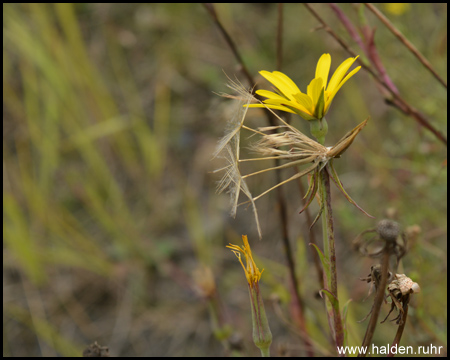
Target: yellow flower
pixel 251 271
pixel 319 95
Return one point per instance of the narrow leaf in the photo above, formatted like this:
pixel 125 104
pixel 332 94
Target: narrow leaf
pixel 333 300
pixel 325 262
pixel 317 217
pixel 313 192
pixel 310 185
pixel 344 319
pixel 322 203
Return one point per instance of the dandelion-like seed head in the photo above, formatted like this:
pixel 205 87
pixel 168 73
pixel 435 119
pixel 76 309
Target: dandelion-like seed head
pixel 284 142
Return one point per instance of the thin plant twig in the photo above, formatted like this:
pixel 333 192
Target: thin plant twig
pixel 399 333
pixel 280 37
pixel 405 42
pixel 379 298
pixel 212 11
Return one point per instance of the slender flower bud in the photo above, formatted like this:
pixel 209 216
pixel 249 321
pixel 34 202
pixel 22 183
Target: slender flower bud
pixel 262 336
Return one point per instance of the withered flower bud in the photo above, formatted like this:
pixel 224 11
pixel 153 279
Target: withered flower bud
pixel 389 237
pixel 388 230
pixel 374 278
pixel 400 290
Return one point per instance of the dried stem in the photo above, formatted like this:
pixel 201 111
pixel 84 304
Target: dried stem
pixel 399 333
pixel 212 11
pixel 279 44
pixel 395 99
pixel 379 298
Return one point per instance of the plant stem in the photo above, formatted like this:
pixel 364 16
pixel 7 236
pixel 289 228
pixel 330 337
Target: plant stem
pixel 379 297
pixel 330 276
pixel 212 12
pixel 280 37
pixel 405 42
pixel 399 333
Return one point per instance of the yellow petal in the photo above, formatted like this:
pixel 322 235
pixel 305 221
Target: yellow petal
pixel 340 73
pixel 290 104
pixel 281 82
pixel 287 80
pixel 233 247
pixel 275 107
pixel 270 94
pixel 304 101
pixel 314 90
pixel 323 68
pixel 336 89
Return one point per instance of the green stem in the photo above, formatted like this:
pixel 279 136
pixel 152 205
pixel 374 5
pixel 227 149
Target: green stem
pixel 330 277
pixel 319 129
pixel 265 352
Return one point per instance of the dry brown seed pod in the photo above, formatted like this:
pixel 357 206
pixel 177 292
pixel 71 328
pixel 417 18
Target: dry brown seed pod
pixel 406 285
pixel 400 290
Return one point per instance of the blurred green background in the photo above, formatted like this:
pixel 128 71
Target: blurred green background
pixel 111 224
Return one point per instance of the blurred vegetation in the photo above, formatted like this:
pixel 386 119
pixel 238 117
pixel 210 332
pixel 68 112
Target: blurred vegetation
pixel 111 223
